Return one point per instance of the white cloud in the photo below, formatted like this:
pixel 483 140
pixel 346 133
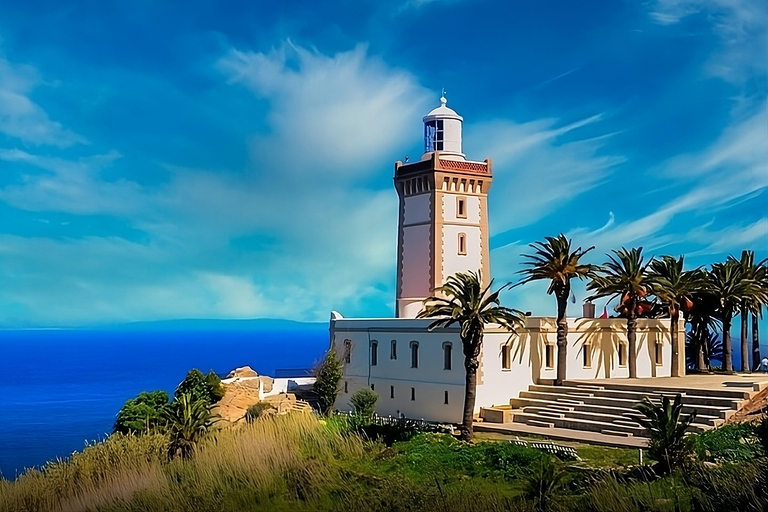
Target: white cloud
pixel 740 25
pixel 536 170
pixel 22 118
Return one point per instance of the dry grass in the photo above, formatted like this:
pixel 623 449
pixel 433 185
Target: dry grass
pixel 273 458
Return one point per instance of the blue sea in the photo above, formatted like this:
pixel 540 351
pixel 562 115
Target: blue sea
pixel 62 387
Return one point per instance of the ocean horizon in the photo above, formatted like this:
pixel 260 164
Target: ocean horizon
pixel 63 387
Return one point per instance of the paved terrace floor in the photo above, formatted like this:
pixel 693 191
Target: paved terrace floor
pixel 745 381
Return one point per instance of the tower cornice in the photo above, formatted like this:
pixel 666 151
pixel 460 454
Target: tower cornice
pixel 435 163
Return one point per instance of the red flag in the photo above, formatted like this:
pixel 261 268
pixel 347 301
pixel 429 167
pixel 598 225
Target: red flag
pixel 605 312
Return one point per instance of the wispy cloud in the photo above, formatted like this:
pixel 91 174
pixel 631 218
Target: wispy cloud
pixel 23 119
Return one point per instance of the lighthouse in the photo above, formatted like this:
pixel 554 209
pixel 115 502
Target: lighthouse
pixel 443 213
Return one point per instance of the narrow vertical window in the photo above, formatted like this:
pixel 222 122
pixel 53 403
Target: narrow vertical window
pixel 347 351
pixel 414 354
pixel 622 354
pixel 505 362
pixel 462 244
pixel 413 393
pixel 372 388
pixel 446 398
pixel 659 354
pixel 346 388
pixel 447 349
pixel 461 208
pixel 391 391
pixel 586 354
pixel 374 353
pixel 549 354
pixel 393 352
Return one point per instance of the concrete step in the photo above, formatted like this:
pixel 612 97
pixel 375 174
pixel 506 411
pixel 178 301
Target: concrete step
pixel 614 403
pixel 591 425
pixel 732 393
pixel 578 393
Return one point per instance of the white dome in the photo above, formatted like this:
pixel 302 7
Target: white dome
pixel 442 112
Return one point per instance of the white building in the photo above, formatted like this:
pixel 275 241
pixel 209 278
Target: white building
pixel 443 229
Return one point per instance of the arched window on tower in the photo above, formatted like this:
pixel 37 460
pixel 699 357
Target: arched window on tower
pixel 447 349
pixel 414 354
pixel 462 244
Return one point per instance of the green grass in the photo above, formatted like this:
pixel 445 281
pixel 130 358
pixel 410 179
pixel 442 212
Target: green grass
pixel 298 463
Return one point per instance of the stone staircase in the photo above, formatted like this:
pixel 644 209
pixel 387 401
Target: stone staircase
pixel 609 408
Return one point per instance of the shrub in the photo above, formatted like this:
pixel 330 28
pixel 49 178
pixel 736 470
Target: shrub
pixel 188 422
pixel 256 410
pixel 199 386
pixel 364 404
pixel 665 426
pixel 733 442
pixel 141 414
pixel 328 376
pixel 543 484
pixel 761 431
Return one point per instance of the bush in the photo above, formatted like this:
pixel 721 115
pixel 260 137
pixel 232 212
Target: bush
pixel 761 431
pixel 732 442
pixel 665 426
pixel 188 422
pixel 199 386
pixel 256 410
pixel 364 404
pixel 142 414
pixel 328 376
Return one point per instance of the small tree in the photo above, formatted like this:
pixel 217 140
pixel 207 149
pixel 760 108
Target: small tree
pixel 328 376
pixel 200 386
pixel 665 426
pixel 139 415
pixel 364 404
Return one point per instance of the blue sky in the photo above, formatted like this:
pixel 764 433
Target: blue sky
pixel 235 160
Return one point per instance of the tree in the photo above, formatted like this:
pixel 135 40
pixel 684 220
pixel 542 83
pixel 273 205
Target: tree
pixel 327 380
pixel 729 285
pixel 665 426
pixel 712 349
pixel 624 276
pixel 674 288
pixel 141 414
pixel 704 318
pixel 189 422
pixel 554 261
pixel 752 303
pixel 465 302
pixel 363 403
pixel 199 386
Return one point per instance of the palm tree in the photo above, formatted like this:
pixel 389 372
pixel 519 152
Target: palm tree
pixel 751 304
pixel 704 318
pixel 555 261
pixel 728 283
pixel 624 275
pixel 466 303
pixel 674 288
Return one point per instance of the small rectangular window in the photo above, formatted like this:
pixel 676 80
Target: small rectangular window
pixel 622 354
pixel 586 354
pixel 372 389
pixel 374 353
pixel 414 354
pixel 391 391
pixel 393 353
pixel 413 393
pixel 549 355
pixel 347 351
pixel 461 208
pixel 346 388
pixel 659 354
pixel 462 244
pixel 505 362
pixel 446 398
pixel 447 349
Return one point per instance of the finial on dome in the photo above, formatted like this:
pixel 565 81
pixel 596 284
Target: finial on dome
pixel 443 100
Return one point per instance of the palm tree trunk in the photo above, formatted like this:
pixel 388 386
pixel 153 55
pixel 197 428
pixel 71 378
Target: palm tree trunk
pixel 471 363
pixel 470 386
pixel 727 351
pixel 755 342
pixel 562 338
pixel 632 340
pixel 744 335
pixel 701 360
pixel 675 338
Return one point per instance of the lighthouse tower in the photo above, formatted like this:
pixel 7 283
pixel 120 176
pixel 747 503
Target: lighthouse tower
pixel 443 221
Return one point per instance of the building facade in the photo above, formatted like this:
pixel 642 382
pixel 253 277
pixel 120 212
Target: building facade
pixel 443 229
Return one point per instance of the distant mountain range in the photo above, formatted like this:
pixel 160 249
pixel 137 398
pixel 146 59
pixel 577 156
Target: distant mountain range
pixel 200 324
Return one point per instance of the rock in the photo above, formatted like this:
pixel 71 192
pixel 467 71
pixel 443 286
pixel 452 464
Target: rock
pixel 243 371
